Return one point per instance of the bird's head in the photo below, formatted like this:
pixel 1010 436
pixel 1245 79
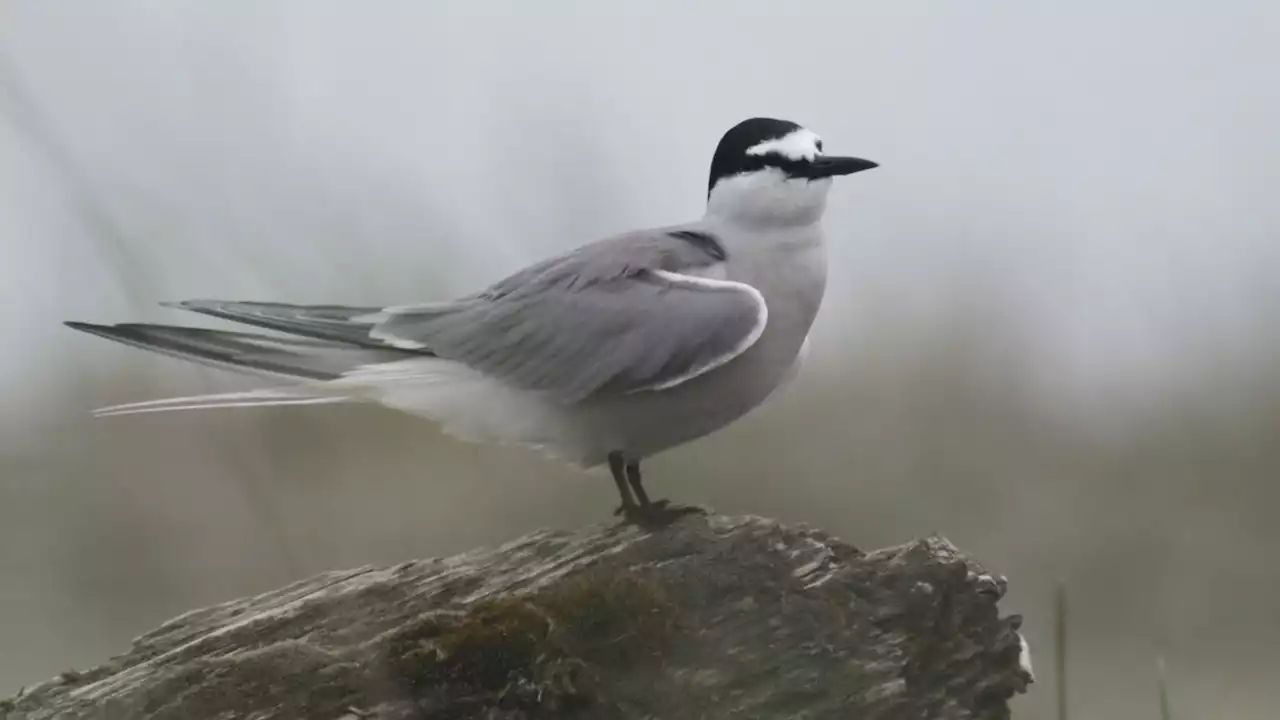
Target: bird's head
pixel 773 172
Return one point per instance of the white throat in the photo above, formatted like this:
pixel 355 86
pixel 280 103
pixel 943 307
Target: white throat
pixel 768 198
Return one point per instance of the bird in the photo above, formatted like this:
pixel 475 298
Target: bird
pixel 602 355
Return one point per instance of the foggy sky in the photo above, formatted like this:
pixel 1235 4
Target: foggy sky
pixel 1107 164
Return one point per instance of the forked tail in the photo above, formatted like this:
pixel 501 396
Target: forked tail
pixel 309 363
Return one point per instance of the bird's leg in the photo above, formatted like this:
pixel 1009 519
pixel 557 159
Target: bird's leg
pixel 633 478
pixel 617 466
pixel 658 513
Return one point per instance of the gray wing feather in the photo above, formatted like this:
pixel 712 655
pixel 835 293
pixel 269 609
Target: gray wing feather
pixel 617 316
pixel 323 322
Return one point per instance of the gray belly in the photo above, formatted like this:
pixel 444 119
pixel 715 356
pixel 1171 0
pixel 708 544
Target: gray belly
pixel 644 424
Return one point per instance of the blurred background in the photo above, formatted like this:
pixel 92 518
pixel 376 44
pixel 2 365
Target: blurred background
pixel 1050 332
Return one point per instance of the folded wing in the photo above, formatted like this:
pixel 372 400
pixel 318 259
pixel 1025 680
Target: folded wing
pixel 648 330
pixel 640 312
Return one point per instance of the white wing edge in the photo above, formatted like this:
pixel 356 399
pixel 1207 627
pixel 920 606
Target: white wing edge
pixel 762 319
pixel 385 314
pixel 396 342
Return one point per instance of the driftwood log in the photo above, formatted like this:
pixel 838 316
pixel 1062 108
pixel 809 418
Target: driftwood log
pixel 714 617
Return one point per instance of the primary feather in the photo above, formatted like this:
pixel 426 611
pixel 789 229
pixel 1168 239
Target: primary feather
pixel 338 323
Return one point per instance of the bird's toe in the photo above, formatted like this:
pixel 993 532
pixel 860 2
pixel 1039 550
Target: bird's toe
pixel 658 514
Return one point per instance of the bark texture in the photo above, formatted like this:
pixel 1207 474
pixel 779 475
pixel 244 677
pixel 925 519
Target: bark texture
pixel 714 617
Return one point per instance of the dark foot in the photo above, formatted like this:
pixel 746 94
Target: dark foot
pixel 636 508
pixel 657 514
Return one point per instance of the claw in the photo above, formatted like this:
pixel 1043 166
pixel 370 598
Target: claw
pixel 658 514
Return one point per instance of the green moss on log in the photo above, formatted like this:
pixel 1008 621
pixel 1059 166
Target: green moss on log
pixel 532 651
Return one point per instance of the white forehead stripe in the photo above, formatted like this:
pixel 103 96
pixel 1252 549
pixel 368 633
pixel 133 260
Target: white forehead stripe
pixel 799 144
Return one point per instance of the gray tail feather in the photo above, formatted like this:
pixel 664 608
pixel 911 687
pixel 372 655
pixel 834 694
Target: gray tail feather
pixel 293 358
pixel 273 397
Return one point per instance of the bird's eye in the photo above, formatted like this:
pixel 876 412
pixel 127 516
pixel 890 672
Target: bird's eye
pixel 818 144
